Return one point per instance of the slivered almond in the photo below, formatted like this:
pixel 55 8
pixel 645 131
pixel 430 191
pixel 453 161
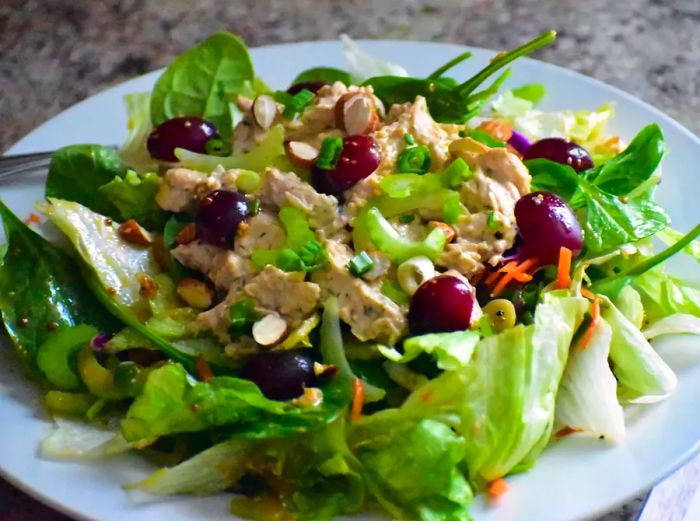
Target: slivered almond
pixel 269 330
pixel 133 232
pixel 265 111
pixel 244 103
pixel 301 154
pixel 187 234
pixel 148 288
pixel 356 113
pixel 448 230
pixel 195 293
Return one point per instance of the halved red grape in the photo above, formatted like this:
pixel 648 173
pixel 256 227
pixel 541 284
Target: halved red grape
pixel 359 158
pixel 444 303
pixel 560 151
pixel 280 375
pixel 313 86
pixel 546 223
pixel 188 132
pixel 219 215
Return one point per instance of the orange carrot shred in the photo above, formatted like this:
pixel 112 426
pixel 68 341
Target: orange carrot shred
pixel 509 267
pixel 595 319
pixel 587 293
pixel 32 219
pixel 203 370
pixel 492 277
pixel 497 488
pixel 520 269
pixel 564 268
pixel 358 400
pixel 565 431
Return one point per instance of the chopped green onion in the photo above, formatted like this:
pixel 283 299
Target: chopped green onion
pixel 452 210
pixel 456 173
pixel 360 264
pixel 295 104
pixel 486 139
pixel 313 256
pixel 493 223
pixel 254 207
pixel 394 292
pixel 414 160
pixel 289 260
pixel 408 138
pixel 217 147
pixel 408 218
pixel 241 316
pixel 532 92
pixel 328 156
pixel 463 133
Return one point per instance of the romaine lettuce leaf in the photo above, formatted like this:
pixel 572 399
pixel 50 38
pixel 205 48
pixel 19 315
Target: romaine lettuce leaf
pixel 134 198
pixel 642 374
pixel 629 303
pixel 452 351
pixel 587 397
pixel 663 294
pixel 73 440
pixel 678 324
pixel 134 151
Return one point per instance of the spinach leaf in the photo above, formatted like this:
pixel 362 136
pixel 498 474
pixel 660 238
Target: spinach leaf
pixel 608 222
pixel 203 81
pixel 77 171
pixel 323 74
pixel 40 284
pixel 449 101
pixel 633 166
pixel 134 198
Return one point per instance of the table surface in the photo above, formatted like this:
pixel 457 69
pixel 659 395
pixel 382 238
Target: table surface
pixel 54 53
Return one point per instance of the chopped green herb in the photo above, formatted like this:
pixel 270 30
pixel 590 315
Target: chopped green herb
pixel 414 160
pixel 394 292
pixel 295 104
pixel 456 173
pixel 360 264
pixel 254 207
pixel 408 138
pixel 463 133
pixel 492 222
pixel 241 316
pixel 452 210
pixel 217 147
pixel 313 256
pixel 407 218
pixel 330 151
pixel 486 139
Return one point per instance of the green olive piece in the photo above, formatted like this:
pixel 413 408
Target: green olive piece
pixel 501 313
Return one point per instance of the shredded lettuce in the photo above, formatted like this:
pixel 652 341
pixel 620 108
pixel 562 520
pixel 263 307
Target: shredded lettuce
pixel 82 441
pixel 677 324
pixel 363 65
pixel 587 397
pixel 134 197
pixel 451 350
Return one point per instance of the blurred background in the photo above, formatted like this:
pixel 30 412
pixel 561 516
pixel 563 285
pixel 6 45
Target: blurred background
pixel 54 53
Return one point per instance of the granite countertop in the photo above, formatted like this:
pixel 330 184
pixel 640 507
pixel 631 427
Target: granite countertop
pixel 54 53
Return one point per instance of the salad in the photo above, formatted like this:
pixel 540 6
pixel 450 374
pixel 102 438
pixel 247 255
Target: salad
pixel 369 291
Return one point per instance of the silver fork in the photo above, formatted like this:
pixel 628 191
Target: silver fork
pixel 24 164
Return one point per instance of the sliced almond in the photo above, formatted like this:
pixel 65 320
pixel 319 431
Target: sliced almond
pixel 301 154
pixel 244 103
pixel 356 113
pixel 312 397
pixel 133 232
pixel 195 293
pixel 448 230
pixel 148 288
pixel 187 234
pixel 265 111
pixel 269 330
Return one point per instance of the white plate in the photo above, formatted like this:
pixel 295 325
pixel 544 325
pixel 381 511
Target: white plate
pixel 574 479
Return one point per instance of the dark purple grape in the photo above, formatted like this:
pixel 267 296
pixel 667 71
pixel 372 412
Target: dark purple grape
pixel 441 304
pixel 359 159
pixel 219 215
pixel 546 223
pixel 313 86
pixel 282 375
pixel 560 151
pixel 188 132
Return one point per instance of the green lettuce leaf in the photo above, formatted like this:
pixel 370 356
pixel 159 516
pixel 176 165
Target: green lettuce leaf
pixel 670 236
pixel 204 81
pixel 41 284
pixel 134 198
pixel 73 440
pixel 678 324
pixel 323 74
pixel 452 351
pixel 587 397
pixel 134 151
pixel 629 303
pixel 663 294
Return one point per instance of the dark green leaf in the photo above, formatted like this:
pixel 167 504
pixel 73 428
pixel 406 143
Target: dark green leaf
pixel 548 176
pixel 323 74
pixel 633 166
pixel 77 172
pixel 40 283
pixel 203 81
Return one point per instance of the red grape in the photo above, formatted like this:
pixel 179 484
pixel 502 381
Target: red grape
pixel 313 86
pixel 359 158
pixel 560 151
pixel 219 215
pixel 441 304
pixel 188 132
pixel 280 375
pixel 546 223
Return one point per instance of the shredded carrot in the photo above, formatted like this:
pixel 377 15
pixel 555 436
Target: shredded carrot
pixel 427 396
pixel 587 293
pixel 595 319
pixel 518 273
pixel 564 268
pixel 566 431
pixel 508 267
pixel 492 277
pixel 497 488
pixel 358 400
pixel 32 219
pixel 498 129
pixel 203 369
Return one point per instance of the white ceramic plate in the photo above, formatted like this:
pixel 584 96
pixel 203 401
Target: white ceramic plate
pixel 574 479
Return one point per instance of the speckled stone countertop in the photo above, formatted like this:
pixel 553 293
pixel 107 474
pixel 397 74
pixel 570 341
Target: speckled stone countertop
pixel 54 53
